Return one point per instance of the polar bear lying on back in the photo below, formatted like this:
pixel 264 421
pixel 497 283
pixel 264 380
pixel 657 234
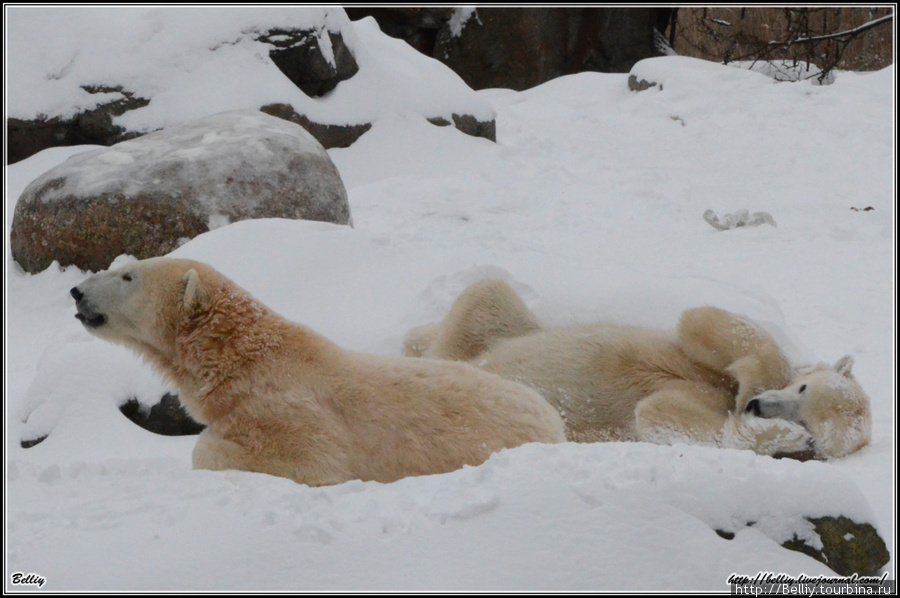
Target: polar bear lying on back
pixel 720 379
pixel 280 399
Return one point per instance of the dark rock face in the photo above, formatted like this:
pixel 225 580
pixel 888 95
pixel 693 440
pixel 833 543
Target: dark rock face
pixel 625 37
pixel 30 442
pixel 328 135
pixel 507 47
pixel 518 48
pixel 417 26
pixel 331 136
pixel 299 56
pixel 469 125
pixel 27 137
pixel 147 196
pixel 167 417
pixel 521 48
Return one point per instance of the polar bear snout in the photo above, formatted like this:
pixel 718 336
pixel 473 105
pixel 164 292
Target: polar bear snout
pixel 773 404
pixel 85 313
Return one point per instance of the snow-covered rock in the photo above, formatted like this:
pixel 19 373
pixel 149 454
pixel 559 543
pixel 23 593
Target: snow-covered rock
pixel 315 61
pixel 147 196
pixel 136 70
pixel 686 75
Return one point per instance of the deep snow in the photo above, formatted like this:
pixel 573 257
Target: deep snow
pixel 591 202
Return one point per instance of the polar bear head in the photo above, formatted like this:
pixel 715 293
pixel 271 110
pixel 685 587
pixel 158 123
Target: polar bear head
pixel 828 402
pixel 140 304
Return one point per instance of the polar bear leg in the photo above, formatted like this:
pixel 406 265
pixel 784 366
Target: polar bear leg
pixel 216 453
pixel 486 311
pixel 682 412
pixel 736 346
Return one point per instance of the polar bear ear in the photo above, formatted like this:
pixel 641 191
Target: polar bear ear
pixel 844 365
pixel 194 293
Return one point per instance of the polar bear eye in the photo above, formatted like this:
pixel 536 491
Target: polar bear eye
pixel 802 387
pixel 126 277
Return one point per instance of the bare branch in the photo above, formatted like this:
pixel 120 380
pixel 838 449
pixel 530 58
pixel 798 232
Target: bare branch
pixel 850 33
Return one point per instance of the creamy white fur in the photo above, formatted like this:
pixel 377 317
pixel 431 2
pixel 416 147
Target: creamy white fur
pixel 694 384
pixel 278 398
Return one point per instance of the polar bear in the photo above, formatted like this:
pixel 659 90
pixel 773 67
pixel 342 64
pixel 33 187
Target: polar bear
pixel 719 379
pixel 278 398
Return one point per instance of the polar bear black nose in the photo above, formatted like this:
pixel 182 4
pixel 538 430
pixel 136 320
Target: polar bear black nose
pixel 753 407
pixel 76 293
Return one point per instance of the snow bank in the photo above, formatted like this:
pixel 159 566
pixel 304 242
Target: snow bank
pixel 539 517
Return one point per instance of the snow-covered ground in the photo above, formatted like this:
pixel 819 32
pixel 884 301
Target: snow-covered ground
pixel 591 203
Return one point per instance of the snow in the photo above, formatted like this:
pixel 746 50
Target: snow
pixel 460 18
pixel 591 203
pixel 787 70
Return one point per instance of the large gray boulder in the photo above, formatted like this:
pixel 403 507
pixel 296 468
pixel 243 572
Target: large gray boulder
pixel 146 196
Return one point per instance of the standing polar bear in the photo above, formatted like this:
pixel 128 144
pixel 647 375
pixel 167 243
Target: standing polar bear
pixel 719 379
pixel 278 398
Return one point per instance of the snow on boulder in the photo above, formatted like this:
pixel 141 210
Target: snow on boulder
pixel 684 74
pixel 147 196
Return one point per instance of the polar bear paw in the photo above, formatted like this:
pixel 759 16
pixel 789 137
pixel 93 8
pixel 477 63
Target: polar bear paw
pixel 766 436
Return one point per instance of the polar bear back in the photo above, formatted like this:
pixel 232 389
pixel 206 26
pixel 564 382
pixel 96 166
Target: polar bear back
pixel 616 366
pixel 410 417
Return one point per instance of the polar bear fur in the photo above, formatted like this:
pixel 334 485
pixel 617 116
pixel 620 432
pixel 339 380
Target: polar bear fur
pixel 278 398
pixel 719 379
